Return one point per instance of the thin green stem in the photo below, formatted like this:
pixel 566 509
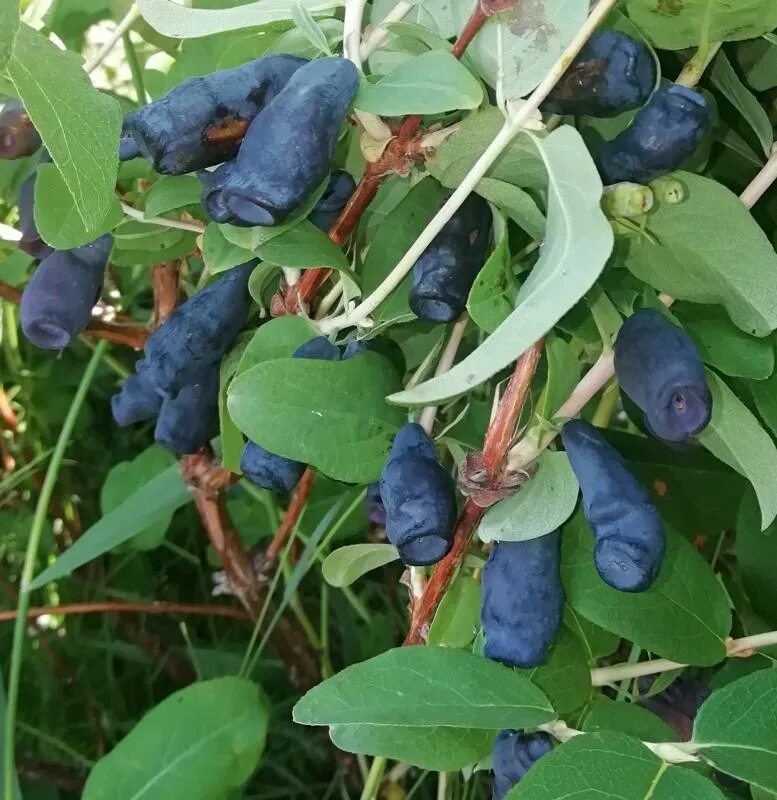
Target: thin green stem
pixel 694 69
pixel 30 557
pixel 56 743
pixel 109 360
pixel 608 405
pixel 326 662
pixel 623 688
pixel 417 785
pixel 135 69
pixel 374 779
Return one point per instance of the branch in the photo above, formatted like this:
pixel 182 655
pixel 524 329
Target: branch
pixel 291 517
pixel 120 607
pixel 52 773
pixel 164 279
pixel 121 28
pixel 377 37
pixel 510 407
pixel 196 227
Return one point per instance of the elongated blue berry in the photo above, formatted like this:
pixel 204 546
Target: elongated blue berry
pixel 376 511
pixel 446 270
pixel 658 366
pixel 269 470
pixel 661 137
pixel 31 241
pixel 332 202
pixel 202 121
pixel 189 420
pixel 18 136
pixel 629 533
pixel 136 401
pixel 523 600
pixel 213 193
pixel 57 303
pixel 198 333
pixel 612 73
pixel 514 753
pixel 289 145
pixel 419 497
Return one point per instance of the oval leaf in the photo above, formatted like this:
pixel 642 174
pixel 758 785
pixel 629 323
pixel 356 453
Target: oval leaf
pixel 542 504
pixel 201 743
pixel 578 242
pixel 347 564
pixel 426 686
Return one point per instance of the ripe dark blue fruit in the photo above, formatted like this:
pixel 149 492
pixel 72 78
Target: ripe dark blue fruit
pixel 289 145
pixel 136 401
pixel 18 136
pixel 202 121
pixel 663 135
pixel 355 347
pixel 630 541
pixel 327 209
pixel 31 241
pixel 678 704
pixel 198 333
pixel 658 366
pixel 189 420
pixel 213 193
pixel 523 600
pixel 445 272
pixel 613 73
pixel 376 511
pixel 57 303
pixel 514 753
pixel 420 498
pixel 269 470
pixel 128 147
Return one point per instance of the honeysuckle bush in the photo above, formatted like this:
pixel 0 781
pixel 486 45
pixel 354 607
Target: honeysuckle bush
pixel 669 692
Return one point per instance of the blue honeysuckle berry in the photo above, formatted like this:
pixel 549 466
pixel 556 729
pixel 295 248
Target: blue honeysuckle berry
pixel 419 497
pixel 629 533
pixel 198 333
pixel 31 241
pixel 612 73
pixel 658 366
pixel 269 470
pixel 136 401
pixel 18 136
pixel 57 302
pixel 514 754
pixel 202 121
pixel 288 147
pixel 213 193
pixel 327 209
pixel 376 511
pixel 446 270
pixel 662 136
pixel 188 421
pixel 523 600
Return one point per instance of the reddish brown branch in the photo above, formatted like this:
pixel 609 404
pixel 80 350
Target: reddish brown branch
pixel 164 279
pixel 292 515
pixel 120 607
pixel 52 773
pixel 497 440
pixel 8 416
pixel 118 333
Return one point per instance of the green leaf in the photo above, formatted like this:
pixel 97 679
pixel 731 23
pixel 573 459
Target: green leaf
pixel 735 437
pixel 519 162
pixel 563 374
pixel 161 495
pixel 724 346
pixel 429 83
pixel 610 766
pixel 597 641
pixel 347 564
pixel 401 227
pixel 57 218
pixel 516 203
pixel 308 26
pixel 278 338
pixel 232 441
pixel 490 299
pixel 430 748
pixel 727 82
pixel 458 616
pixel 541 505
pixel 735 729
pixel 302 245
pixel 756 553
pixel 676 24
pixel 758 60
pixel 565 677
pixel 218 253
pixel 128 477
pixel 202 742
pixel 171 192
pixel 519 46
pixel 181 22
pixel 696 258
pixel 9 24
pixel 79 125
pixel 605 714
pixel 341 422
pixel 684 616
pixel 578 242
pixel 426 686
